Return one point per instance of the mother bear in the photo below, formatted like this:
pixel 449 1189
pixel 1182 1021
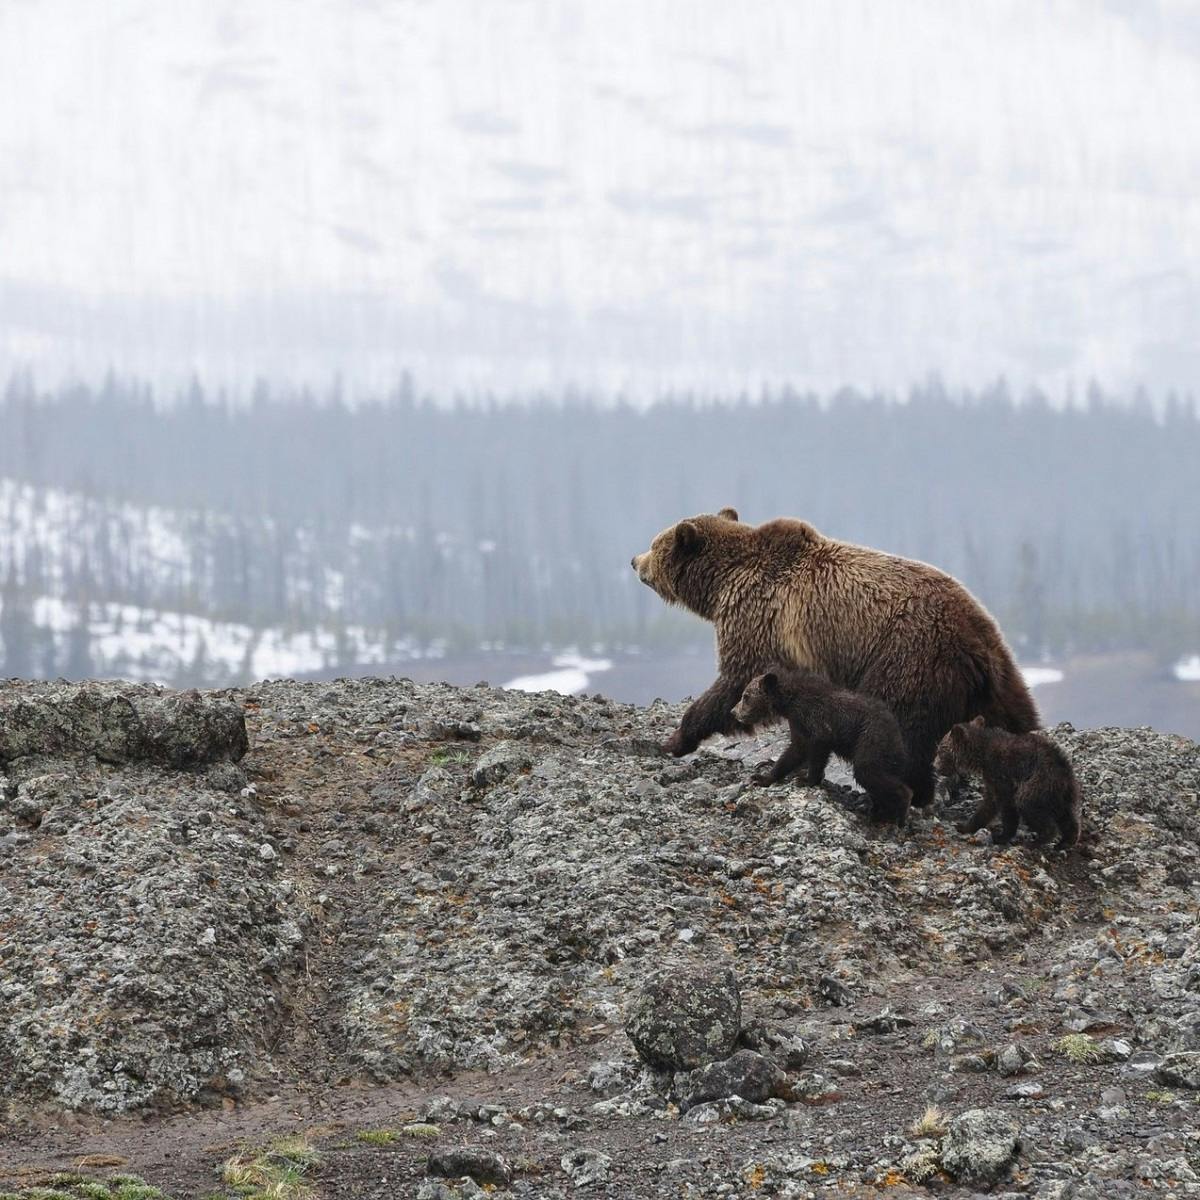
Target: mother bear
pixel 892 627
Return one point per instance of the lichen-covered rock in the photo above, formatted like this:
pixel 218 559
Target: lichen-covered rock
pixel 119 723
pixel 504 759
pixel 744 1073
pixel 475 1162
pixel 685 1019
pixel 1181 1069
pixel 980 1146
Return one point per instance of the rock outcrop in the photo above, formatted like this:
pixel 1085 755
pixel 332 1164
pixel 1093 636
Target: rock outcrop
pixel 209 898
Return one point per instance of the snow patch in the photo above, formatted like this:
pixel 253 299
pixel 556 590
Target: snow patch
pixel 570 679
pixel 1187 670
pixel 1036 676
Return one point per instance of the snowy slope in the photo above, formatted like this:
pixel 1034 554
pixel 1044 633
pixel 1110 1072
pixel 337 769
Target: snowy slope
pixel 620 192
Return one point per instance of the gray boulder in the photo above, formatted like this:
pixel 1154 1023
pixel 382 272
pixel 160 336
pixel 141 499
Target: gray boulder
pixel 686 1019
pixel 980 1146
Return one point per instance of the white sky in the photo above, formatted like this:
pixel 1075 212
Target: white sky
pixel 613 192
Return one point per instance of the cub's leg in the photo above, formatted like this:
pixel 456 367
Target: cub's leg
pixel 708 714
pixel 1010 814
pixel 890 796
pixel 818 760
pixel 983 813
pixel 792 759
pixel 1048 807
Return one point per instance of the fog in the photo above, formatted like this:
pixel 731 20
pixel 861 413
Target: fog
pixel 620 196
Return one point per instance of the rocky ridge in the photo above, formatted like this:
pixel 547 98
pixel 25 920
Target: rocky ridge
pixel 465 892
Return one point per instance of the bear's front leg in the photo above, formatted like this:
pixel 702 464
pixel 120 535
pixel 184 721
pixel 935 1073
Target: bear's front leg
pixel 708 714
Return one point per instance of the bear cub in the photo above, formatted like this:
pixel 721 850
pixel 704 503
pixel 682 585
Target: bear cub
pixel 825 720
pixel 1025 775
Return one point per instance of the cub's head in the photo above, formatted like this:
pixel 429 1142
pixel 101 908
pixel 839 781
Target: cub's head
pixel 954 746
pixel 683 564
pixel 759 702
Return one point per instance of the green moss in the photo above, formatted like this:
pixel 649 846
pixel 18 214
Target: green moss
pixel 139 1191
pixel 376 1137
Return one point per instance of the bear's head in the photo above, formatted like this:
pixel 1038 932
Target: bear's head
pixel 758 705
pixel 955 746
pixel 683 564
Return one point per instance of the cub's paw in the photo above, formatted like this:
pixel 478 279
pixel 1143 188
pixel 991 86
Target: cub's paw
pixel 764 775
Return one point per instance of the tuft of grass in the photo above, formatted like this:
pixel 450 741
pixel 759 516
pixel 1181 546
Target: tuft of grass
pixel 457 757
pixel 376 1137
pixel 92 1189
pixel 139 1191
pixel 930 1124
pixel 1160 1097
pixel 45 1193
pixel 275 1172
pixel 66 1179
pixel 1079 1048
pixel 421 1129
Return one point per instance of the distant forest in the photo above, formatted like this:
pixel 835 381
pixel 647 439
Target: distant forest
pixel 512 524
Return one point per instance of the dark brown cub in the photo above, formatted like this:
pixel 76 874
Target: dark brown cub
pixel 825 720
pixel 1025 775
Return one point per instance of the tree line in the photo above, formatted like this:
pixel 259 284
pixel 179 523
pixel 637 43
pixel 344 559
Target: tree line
pixel 488 522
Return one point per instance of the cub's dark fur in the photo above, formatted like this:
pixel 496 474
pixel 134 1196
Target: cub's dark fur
pixel 825 720
pixel 1024 775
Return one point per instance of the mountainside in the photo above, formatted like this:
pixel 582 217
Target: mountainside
pixel 414 923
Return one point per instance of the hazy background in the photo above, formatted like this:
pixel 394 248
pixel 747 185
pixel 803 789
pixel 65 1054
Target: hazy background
pixel 339 337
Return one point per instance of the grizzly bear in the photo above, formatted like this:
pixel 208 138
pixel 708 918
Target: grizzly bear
pixel 825 720
pixel 891 627
pixel 1024 775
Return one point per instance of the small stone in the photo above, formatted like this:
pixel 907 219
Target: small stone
pixel 420 1129
pixel 1029 1089
pixel 586 1167
pixel 499 762
pixel 267 852
pixel 475 1162
pixel 885 1021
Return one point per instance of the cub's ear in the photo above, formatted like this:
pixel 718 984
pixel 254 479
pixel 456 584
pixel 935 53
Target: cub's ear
pixel 688 537
pixel 770 681
pixel 730 514
pixel 979 722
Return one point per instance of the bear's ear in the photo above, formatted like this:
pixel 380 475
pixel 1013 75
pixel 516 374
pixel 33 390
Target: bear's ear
pixel 730 514
pixel 979 722
pixel 688 538
pixel 770 681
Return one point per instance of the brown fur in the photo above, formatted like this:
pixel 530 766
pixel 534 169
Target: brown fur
pixel 828 720
pixel 894 628
pixel 1024 776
